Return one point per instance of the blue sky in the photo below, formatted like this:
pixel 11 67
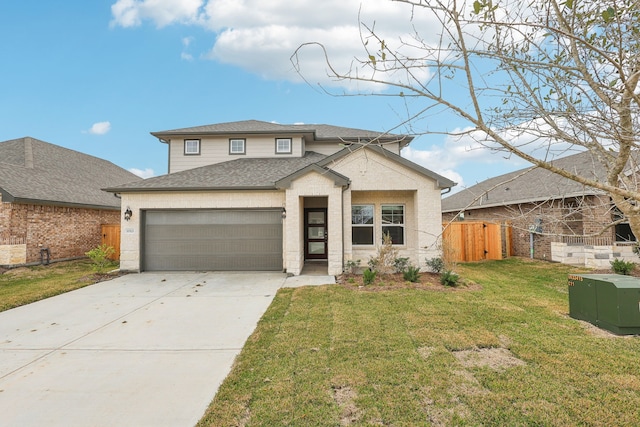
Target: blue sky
pixel 97 76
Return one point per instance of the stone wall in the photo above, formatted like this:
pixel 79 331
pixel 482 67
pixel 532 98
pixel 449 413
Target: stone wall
pixel 592 256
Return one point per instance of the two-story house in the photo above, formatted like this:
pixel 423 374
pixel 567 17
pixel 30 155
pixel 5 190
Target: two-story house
pixel 253 195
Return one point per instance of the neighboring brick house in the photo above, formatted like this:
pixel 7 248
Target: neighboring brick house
pixel 51 202
pixel 253 195
pixel 552 218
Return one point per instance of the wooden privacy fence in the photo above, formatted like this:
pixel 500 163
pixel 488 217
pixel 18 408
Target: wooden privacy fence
pixel 467 241
pixel 111 237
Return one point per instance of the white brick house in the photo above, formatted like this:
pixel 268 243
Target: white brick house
pixel 253 195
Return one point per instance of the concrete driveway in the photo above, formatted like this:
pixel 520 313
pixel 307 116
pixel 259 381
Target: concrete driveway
pixel 144 349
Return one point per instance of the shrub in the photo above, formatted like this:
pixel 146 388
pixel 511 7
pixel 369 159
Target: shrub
pixel 436 265
pixel 412 274
pixel 620 266
pixel 100 257
pixel 384 261
pixel 368 276
pixel 449 278
pixel 351 266
pixel 401 264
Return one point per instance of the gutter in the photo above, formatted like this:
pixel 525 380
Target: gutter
pixel 522 201
pixel 58 203
pixel 175 189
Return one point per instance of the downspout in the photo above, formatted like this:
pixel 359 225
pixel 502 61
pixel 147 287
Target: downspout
pixel 345 188
pixel 531 244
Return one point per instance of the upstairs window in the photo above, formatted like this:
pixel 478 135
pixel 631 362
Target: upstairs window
pixel 191 147
pixel 283 145
pixel 393 223
pixel 362 224
pixel 237 146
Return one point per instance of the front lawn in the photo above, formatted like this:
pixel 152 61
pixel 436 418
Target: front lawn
pixel 502 351
pixel 25 285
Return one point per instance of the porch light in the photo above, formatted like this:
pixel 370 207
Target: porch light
pixel 284 213
pixel 128 214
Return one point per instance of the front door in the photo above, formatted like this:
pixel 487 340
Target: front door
pixel 315 233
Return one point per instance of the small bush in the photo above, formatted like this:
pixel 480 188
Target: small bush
pixel 436 265
pixel 412 274
pixel 351 266
pixel 368 276
pixel 449 278
pixel 100 257
pixel 401 264
pixel 620 266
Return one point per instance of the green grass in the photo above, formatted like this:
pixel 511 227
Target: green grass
pixel 29 284
pixel 331 356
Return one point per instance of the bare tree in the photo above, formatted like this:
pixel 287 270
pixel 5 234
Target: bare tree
pixel 558 74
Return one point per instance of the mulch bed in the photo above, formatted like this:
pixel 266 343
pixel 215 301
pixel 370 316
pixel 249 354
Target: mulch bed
pixel 427 281
pixel 101 277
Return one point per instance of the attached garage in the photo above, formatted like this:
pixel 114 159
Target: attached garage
pixel 212 240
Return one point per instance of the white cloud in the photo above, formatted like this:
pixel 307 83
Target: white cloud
pixel 185 55
pixel 100 128
pixel 143 173
pixel 260 36
pixel 131 13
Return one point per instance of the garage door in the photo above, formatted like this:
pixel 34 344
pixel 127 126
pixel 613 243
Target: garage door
pixel 218 239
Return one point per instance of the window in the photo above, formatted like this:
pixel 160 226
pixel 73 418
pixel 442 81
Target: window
pixel 237 146
pixel 362 224
pixel 191 146
pixel 393 223
pixel 283 145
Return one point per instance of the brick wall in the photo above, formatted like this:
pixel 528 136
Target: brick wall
pixel 67 232
pixel 576 216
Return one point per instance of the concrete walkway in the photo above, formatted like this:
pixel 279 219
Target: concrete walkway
pixel 144 349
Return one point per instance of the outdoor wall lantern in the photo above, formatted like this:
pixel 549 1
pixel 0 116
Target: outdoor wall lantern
pixel 284 213
pixel 128 214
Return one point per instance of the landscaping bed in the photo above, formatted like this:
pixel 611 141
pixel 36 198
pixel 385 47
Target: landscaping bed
pixel 426 281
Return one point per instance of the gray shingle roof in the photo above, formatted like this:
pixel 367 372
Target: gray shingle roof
pixel 319 131
pixel 34 171
pixel 259 173
pixel 238 174
pixel 529 185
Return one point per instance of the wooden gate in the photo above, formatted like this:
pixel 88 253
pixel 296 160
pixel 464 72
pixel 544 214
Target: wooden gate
pixel 111 237
pixel 467 241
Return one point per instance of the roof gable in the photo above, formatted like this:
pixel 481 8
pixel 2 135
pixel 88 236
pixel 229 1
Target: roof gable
pixel 34 171
pixel 441 181
pixel 338 179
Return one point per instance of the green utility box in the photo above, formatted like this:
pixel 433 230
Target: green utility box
pixel 609 301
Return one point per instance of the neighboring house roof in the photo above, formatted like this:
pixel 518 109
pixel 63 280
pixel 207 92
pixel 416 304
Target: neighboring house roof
pixel 261 173
pixel 37 172
pixel 532 184
pixel 318 131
